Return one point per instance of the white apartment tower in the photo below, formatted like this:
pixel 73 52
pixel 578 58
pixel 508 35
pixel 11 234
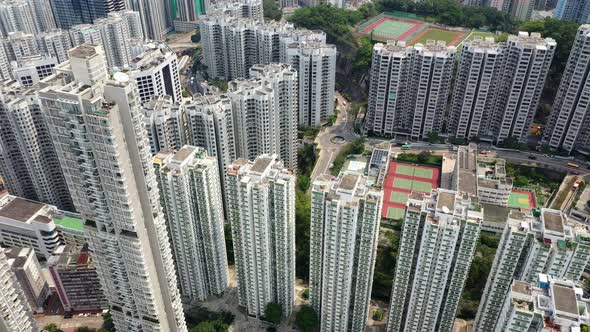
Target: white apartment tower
pixel 415 109
pixel 191 197
pixel 165 124
pixel 474 93
pixel 439 237
pixel 100 137
pixel 15 312
pixel 261 204
pixel 29 163
pixel 16 15
pixel 210 125
pixel 153 18
pixel 315 63
pixel 265 113
pixel 55 43
pixel 569 124
pixel 345 218
pixel 527 58
pixel 114 32
pixel 156 73
pixel 85 34
pixel 530 245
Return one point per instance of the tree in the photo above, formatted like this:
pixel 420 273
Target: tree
pixel 306 319
pixel 424 156
pixel 433 137
pixel 204 327
pixel 271 10
pixel 107 323
pixel 196 37
pixel 303 182
pixel 273 313
pixel 229 244
pixel 52 328
pixel 306 292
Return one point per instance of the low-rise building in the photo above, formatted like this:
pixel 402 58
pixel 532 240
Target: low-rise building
pixel 70 227
pixel 23 262
pixel 26 223
pixel 493 186
pixel 76 280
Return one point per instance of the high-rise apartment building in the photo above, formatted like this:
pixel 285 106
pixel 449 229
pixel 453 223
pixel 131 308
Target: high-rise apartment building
pixel 16 15
pixel 111 178
pixel 498 87
pixel 569 123
pixel 16 314
pixel 55 43
pixel 156 73
pixel 153 18
pixel 42 14
pixel 191 197
pixel 527 58
pixel 265 113
pixel 543 242
pixel 242 8
pixel 261 204
pixel 551 304
pixel 412 109
pixel 315 63
pixel 25 266
pixel 573 10
pixel 85 34
pixel 345 218
pixel 68 13
pixel 474 91
pixel 29 163
pixel 439 236
pixel 114 32
pixel 165 124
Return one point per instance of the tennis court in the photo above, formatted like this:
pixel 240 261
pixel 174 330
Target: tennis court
pixel 392 26
pixel 395 213
pixel 398 197
pixel 400 181
pixel 521 200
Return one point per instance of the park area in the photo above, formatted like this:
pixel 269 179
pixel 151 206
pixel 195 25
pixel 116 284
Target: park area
pixel 452 38
pixel 400 181
pixel 522 199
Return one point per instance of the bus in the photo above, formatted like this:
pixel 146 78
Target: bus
pixel 573 165
pixel 405 147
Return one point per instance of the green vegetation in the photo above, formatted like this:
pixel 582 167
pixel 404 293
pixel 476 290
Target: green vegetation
pixel 52 328
pixel 229 244
pixel 221 84
pixel 377 315
pixel 273 313
pixel 478 275
pixel 541 181
pixel 196 316
pixel 423 157
pixel 307 320
pixel 196 37
pixel 305 293
pixel 214 326
pixel 385 265
pixel 356 147
pixel 306 158
pixel 107 323
pixel 272 10
pixel 433 137
pixel 185 93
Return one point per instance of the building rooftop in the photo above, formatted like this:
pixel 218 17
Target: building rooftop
pixel 20 209
pixel 445 200
pixel 521 287
pixel 69 222
pixel 349 181
pixel 83 51
pixel 553 221
pixel 261 164
pixel 565 299
pixel 184 153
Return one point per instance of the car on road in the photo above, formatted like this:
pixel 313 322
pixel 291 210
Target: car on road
pixel 532 157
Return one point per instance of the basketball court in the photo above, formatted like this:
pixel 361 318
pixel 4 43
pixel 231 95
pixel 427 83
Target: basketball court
pixel 522 200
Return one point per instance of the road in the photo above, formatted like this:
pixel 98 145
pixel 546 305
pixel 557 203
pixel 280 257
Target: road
pixel 344 126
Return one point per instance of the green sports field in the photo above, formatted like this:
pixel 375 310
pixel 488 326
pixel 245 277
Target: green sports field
pixel 395 213
pixel 404 170
pixel 412 185
pixel 398 197
pixel 402 183
pixel 520 200
pixel 421 186
pixel 437 34
pixel 392 28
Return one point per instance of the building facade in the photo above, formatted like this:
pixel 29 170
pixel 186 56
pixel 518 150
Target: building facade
pixel 261 204
pixel 344 232
pixel 569 121
pixel 193 206
pixel 16 312
pixel 439 236
pixel 413 110
pixel 117 196
pixel 25 266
